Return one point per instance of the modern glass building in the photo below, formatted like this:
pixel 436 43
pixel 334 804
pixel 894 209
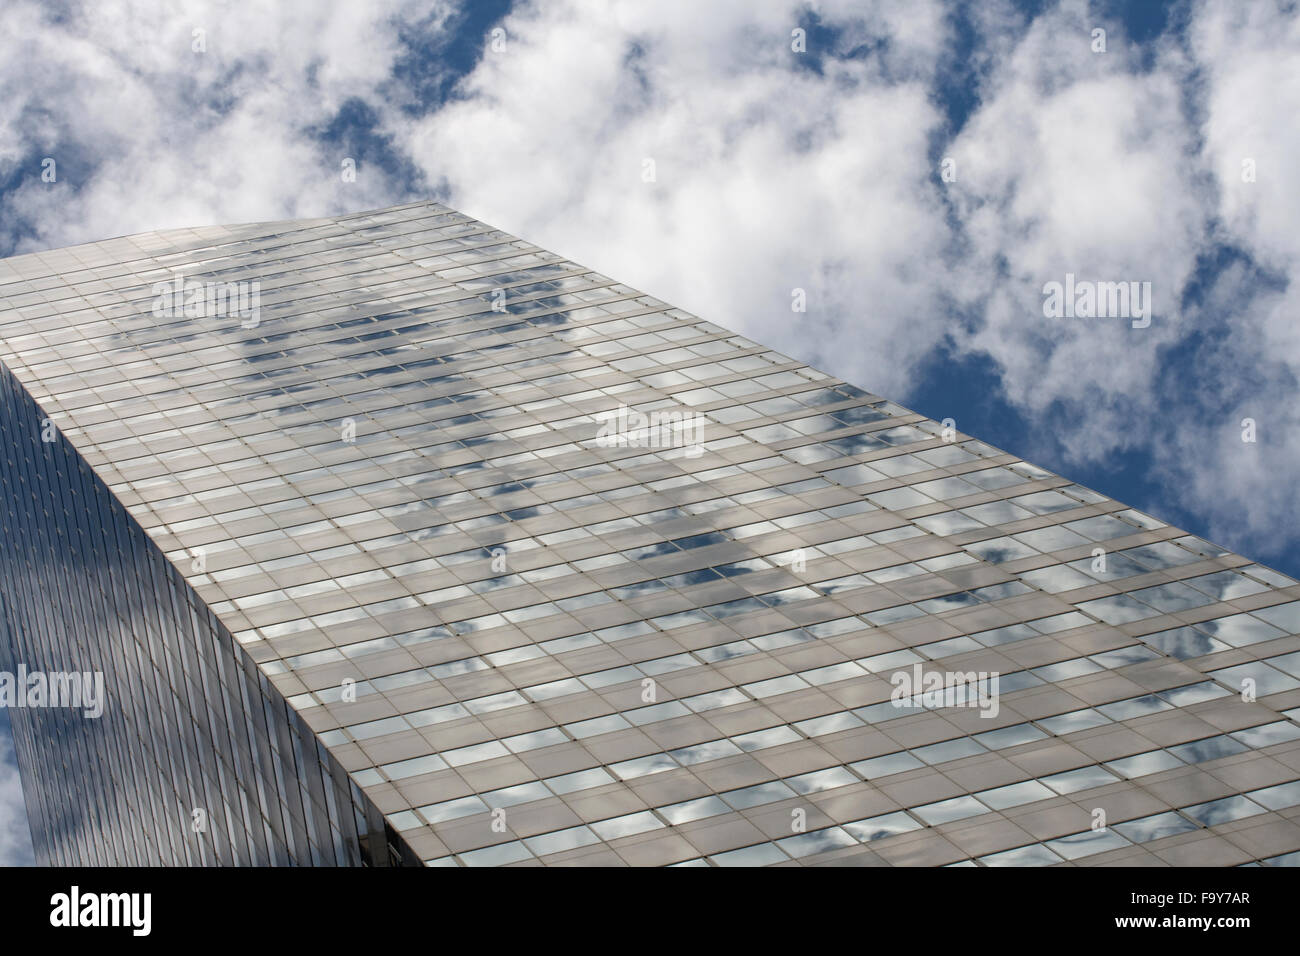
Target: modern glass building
pixel 398 539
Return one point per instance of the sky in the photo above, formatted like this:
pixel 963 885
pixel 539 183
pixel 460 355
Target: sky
pixel 917 171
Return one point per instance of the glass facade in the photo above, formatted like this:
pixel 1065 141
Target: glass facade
pixel 195 758
pixel 558 574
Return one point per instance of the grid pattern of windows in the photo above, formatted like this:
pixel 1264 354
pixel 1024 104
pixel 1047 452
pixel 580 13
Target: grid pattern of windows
pixel 561 574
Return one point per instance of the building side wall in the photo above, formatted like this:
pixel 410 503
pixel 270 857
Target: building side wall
pixel 196 759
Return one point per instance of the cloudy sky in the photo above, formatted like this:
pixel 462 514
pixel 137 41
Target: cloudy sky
pixel 920 169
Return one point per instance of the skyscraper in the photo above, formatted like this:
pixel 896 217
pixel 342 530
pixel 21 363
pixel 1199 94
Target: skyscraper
pixel 398 539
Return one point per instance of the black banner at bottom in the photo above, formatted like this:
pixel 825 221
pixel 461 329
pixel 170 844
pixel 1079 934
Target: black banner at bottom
pixel 333 907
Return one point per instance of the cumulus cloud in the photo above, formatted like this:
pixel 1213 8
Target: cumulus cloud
pixel 1250 95
pixel 201 116
pixel 1167 168
pixel 1077 162
pixel 1122 165
pixel 689 150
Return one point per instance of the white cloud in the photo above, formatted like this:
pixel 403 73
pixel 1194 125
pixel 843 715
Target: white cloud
pixel 770 176
pixel 1251 93
pixel 1097 165
pixel 767 176
pixel 179 137
pixel 1077 163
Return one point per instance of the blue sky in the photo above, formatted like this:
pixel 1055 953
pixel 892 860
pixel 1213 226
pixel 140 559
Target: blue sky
pixel 1167 157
